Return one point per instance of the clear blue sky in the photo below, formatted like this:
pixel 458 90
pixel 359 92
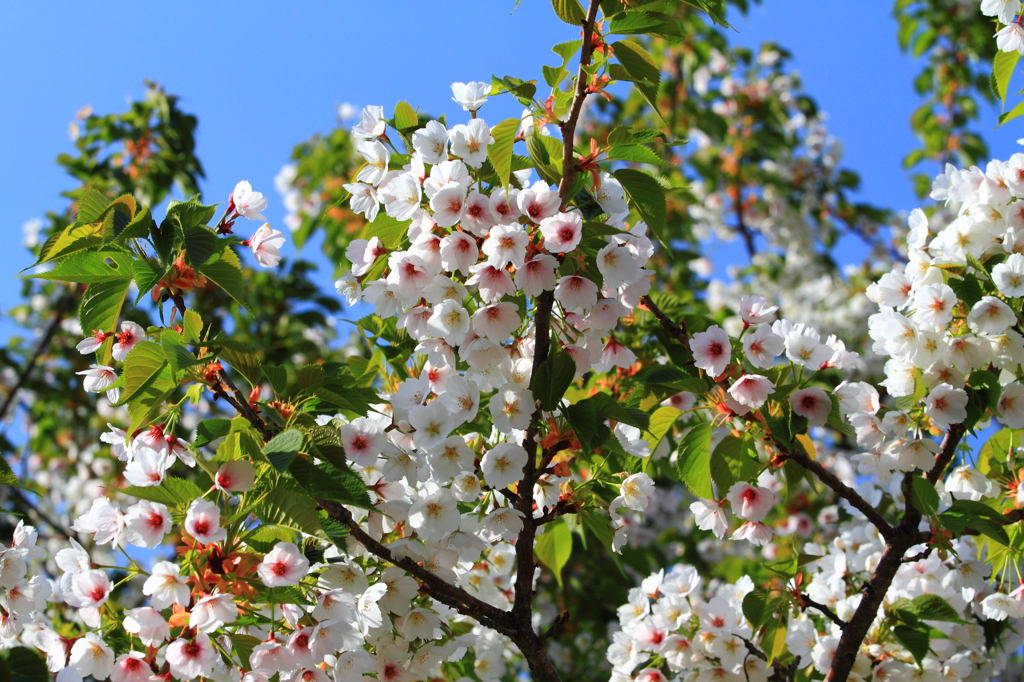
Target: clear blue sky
pixel 263 76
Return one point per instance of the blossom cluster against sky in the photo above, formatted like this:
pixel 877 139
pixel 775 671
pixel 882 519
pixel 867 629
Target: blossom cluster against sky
pixel 263 77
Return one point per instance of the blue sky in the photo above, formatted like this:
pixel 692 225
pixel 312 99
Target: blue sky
pixel 263 76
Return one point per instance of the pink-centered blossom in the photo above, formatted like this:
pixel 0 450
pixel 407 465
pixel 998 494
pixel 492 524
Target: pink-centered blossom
pixel 284 565
pixel 203 522
pixel 812 403
pixel 266 246
pixel 562 232
pixel 752 390
pixel 712 350
pixel 749 502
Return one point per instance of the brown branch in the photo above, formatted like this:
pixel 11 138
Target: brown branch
pixel 828 613
pixel 44 343
pixel 844 491
pixel 436 587
pixel 677 330
pixel 903 537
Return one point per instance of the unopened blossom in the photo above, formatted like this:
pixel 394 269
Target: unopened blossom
pixel 636 491
pixel 91 656
pixel 712 350
pixel 284 565
pixel 946 405
pixel 749 502
pixel 812 403
pixel 203 522
pixel 562 232
pixel 990 316
pixel 266 245
pixel 130 334
pixel 752 390
pixel 147 523
pixel 503 464
pixel 191 658
pixel 248 203
pixel 470 96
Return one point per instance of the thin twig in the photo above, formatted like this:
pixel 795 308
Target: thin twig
pixel 825 610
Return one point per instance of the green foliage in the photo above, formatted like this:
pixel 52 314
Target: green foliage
pixel 694 463
pixel 21 664
pixel 554 547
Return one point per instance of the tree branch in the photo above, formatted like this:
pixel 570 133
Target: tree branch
pixel 828 613
pixel 677 330
pixel 44 343
pixel 844 491
pixel 904 536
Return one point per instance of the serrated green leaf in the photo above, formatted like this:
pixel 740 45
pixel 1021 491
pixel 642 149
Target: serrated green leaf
pixel 499 152
pixel 283 448
pixel 913 640
pixel 1011 114
pixel 91 267
pixel 569 11
pixel 288 509
pixel 934 607
pixel 1003 65
pixel 694 463
pixel 192 326
pixel 141 367
pixel 209 430
pixel 554 548
pixel 91 204
pixel 636 154
pixel 149 402
pixel 225 271
pixel 21 664
pixel 553 377
pixel 101 305
pixel 243 362
pixel 405 116
pixel 647 197
pixel 200 243
pixel 71 239
pixel 924 496
pixel 175 493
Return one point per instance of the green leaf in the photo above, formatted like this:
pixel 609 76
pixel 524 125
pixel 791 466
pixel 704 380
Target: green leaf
pixel 1011 114
pixel 637 62
pixel 283 448
pixel 647 197
pixel 245 363
pixel 499 152
pixel 661 422
pixel 640 22
pixel 913 640
pixel 225 271
pixel 289 509
pixel 243 646
pixel 553 377
pixel 149 402
pixel 1002 69
pixel 101 305
pixel 982 518
pixel 923 496
pixel 277 376
pixel 998 448
pixel 338 483
pixel 264 538
pixel 91 204
pixel 405 116
pixel 389 231
pixel 185 214
pixel 90 267
pixel 21 664
pixel 569 11
pixel 210 430
pixel 587 418
pixel 141 368
pixel 934 607
pixel 546 154
pixel 967 289
pixel 694 463
pixel 636 154
pixel 567 50
pixel 138 227
pixel 200 243
pixel 71 239
pixel 554 547
pixel 731 463
pixel 176 493
pixel 192 327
